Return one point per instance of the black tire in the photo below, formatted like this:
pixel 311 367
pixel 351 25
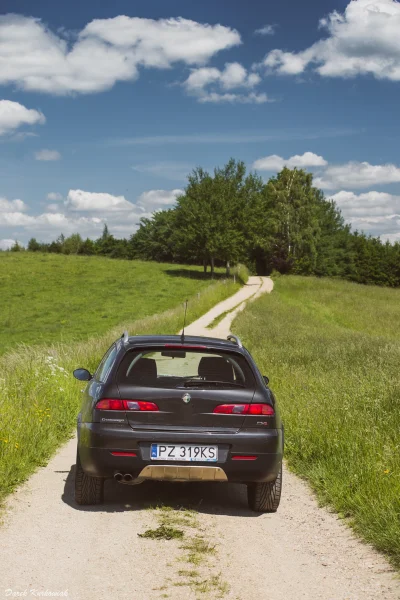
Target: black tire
pixel 265 497
pixel 88 490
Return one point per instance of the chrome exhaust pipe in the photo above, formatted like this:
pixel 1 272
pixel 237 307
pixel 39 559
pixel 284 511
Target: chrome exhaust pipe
pixel 118 477
pixel 128 478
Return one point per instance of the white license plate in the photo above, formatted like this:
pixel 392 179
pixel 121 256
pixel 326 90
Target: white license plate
pixel 184 452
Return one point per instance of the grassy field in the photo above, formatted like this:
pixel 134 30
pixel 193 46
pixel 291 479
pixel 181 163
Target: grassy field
pixel 332 352
pixel 48 298
pixel 40 399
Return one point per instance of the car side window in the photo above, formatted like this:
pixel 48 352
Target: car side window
pixel 106 364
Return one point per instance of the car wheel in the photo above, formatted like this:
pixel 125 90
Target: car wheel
pixel 265 497
pixel 88 490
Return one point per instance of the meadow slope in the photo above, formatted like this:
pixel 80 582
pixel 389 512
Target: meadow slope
pixel 332 352
pixel 56 298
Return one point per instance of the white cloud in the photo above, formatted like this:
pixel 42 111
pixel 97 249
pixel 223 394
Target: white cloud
pixel 122 216
pixel 155 199
pixel 12 205
pixel 357 175
pixel 79 200
pixel 104 52
pixel 373 212
pixel 14 114
pixel 369 204
pixel 276 163
pixel 6 244
pixel 210 84
pixel 387 227
pixel 363 40
pixel 251 98
pixel 47 155
pixel 47 225
pixel 266 30
pixel 54 196
pixel 391 237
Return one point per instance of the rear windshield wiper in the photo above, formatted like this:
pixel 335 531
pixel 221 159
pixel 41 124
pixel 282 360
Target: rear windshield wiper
pixel 203 382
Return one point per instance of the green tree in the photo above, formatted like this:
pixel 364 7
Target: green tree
pixel 33 245
pixel 72 244
pixel 209 215
pixel 154 240
pixel 16 247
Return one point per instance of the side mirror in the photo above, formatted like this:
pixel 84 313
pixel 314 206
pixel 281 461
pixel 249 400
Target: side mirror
pixel 266 379
pixel 82 375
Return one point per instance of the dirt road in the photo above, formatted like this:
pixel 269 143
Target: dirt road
pixel 49 544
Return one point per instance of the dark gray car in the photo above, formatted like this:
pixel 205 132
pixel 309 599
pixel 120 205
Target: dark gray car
pixel 200 410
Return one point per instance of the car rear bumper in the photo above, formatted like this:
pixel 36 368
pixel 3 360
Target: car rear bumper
pixel 97 442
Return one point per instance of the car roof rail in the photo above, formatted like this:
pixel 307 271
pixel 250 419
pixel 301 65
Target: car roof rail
pixel 125 337
pixel 235 340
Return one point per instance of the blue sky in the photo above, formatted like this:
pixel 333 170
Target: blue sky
pixel 105 107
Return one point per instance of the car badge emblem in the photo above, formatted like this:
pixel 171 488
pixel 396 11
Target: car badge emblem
pixel 186 398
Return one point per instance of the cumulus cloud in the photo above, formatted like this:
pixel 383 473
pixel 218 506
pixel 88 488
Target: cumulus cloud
pixel 12 205
pixel 276 163
pixel 14 114
pixel 47 155
pixel 357 175
pixel 96 208
pixel 54 196
pixel 368 204
pixel 210 84
pixel 266 30
pixel 6 244
pixel 79 200
pixel 362 40
pixel 105 51
pixel 387 227
pixel 373 212
pixel 156 199
pixel 49 224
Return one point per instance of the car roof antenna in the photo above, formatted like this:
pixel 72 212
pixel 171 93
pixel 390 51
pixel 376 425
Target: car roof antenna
pixel 184 323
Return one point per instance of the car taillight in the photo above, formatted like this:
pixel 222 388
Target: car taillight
pixel 110 404
pixel 138 405
pixel 261 409
pixel 231 409
pixel 245 409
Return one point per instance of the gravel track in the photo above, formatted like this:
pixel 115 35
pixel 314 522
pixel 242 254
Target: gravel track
pixel 48 543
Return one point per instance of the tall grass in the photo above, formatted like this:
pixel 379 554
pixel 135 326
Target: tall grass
pixel 40 399
pixel 332 352
pixel 47 298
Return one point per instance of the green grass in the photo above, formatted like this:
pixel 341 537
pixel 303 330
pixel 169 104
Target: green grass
pixel 332 352
pixel 196 550
pixel 222 316
pixel 40 399
pixel 56 298
pixel 163 532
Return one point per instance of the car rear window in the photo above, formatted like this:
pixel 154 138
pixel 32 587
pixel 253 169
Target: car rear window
pixel 166 368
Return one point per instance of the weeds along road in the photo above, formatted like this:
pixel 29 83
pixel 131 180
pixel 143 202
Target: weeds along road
pixel 48 543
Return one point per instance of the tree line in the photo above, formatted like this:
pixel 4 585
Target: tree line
pixel 229 216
